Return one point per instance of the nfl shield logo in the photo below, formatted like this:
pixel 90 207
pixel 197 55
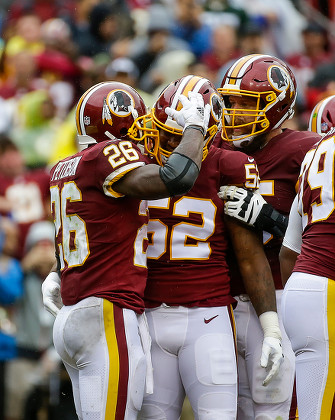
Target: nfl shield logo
pixel 87 120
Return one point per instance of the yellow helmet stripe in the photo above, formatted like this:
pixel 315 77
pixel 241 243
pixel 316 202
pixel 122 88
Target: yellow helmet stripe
pixel 238 69
pixel 234 71
pixel 316 117
pixel 190 83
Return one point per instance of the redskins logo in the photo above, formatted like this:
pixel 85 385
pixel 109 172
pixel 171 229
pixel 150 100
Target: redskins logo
pixel 216 107
pixel 279 78
pixel 118 102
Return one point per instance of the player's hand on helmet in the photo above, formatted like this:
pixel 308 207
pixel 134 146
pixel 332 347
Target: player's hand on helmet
pixel 272 351
pixel 193 112
pixel 242 204
pixel 52 300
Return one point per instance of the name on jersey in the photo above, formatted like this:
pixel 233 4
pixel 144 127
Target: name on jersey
pixel 65 169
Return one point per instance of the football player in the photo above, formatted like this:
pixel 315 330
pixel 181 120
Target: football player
pixel 187 297
pixel 101 239
pixel 256 210
pixel 308 301
pixel 259 93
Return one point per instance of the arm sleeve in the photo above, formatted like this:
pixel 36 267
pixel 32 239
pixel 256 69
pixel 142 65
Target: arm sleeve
pixel 293 235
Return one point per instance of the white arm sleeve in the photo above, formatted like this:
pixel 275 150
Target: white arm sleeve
pixel 293 235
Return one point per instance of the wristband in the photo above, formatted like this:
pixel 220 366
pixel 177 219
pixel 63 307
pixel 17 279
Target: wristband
pixel 196 127
pixel 270 324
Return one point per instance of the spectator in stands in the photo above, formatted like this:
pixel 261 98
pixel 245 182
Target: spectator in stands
pixel 224 47
pixel 20 75
pixel 314 54
pixel 58 66
pixel 147 50
pixel 79 21
pixel 26 35
pixel 188 25
pixel 36 122
pixel 104 29
pixel 24 193
pixel 34 324
pixel 11 288
pixel 124 70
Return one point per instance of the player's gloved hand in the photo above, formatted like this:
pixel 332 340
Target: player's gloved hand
pixel 193 112
pixel 52 300
pixel 251 208
pixel 244 205
pixel 272 352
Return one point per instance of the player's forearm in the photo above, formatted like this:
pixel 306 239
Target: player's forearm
pixel 253 265
pixel 259 285
pixel 191 144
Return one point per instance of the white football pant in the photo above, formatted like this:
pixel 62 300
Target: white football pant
pixel 255 401
pixel 101 348
pixel 308 308
pixel 193 350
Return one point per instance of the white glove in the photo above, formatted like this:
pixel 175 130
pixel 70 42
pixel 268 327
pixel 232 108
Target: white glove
pixel 52 300
pixel 193 112
pixel 242 204
pixel 272 352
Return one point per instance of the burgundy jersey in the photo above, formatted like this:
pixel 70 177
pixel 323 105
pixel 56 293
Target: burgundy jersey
pixel 188 238
pixel 316 205
pixel 100 234
pixel 279 167
pixel 29 197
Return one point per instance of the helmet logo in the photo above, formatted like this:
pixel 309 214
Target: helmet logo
pixel 216 107
pixel 106 115
pixel 119 103
pixel 279 78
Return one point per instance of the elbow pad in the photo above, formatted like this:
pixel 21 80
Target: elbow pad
pixel 179 174
pixel 271 221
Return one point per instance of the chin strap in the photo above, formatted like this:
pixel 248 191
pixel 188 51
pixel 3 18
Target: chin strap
pixel 238 143
pixel 84 141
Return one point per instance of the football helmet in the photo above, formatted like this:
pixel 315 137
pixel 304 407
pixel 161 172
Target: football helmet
pixel 169 98
pixel 272 86
pixel 111 110
pixel 322 118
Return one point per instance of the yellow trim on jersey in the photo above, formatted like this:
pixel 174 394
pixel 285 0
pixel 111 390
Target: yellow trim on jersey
pixel 328 395
pixel 116 175
pixel 114 366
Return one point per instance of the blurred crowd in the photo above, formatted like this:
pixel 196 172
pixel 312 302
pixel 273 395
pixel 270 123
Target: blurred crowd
pixel 51 52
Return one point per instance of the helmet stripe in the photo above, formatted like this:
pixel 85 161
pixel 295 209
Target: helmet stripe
pixel 314 124
pixel 80 109
pixel 192 83
pixel 316 118
pixel 239 68
pixel 179 91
